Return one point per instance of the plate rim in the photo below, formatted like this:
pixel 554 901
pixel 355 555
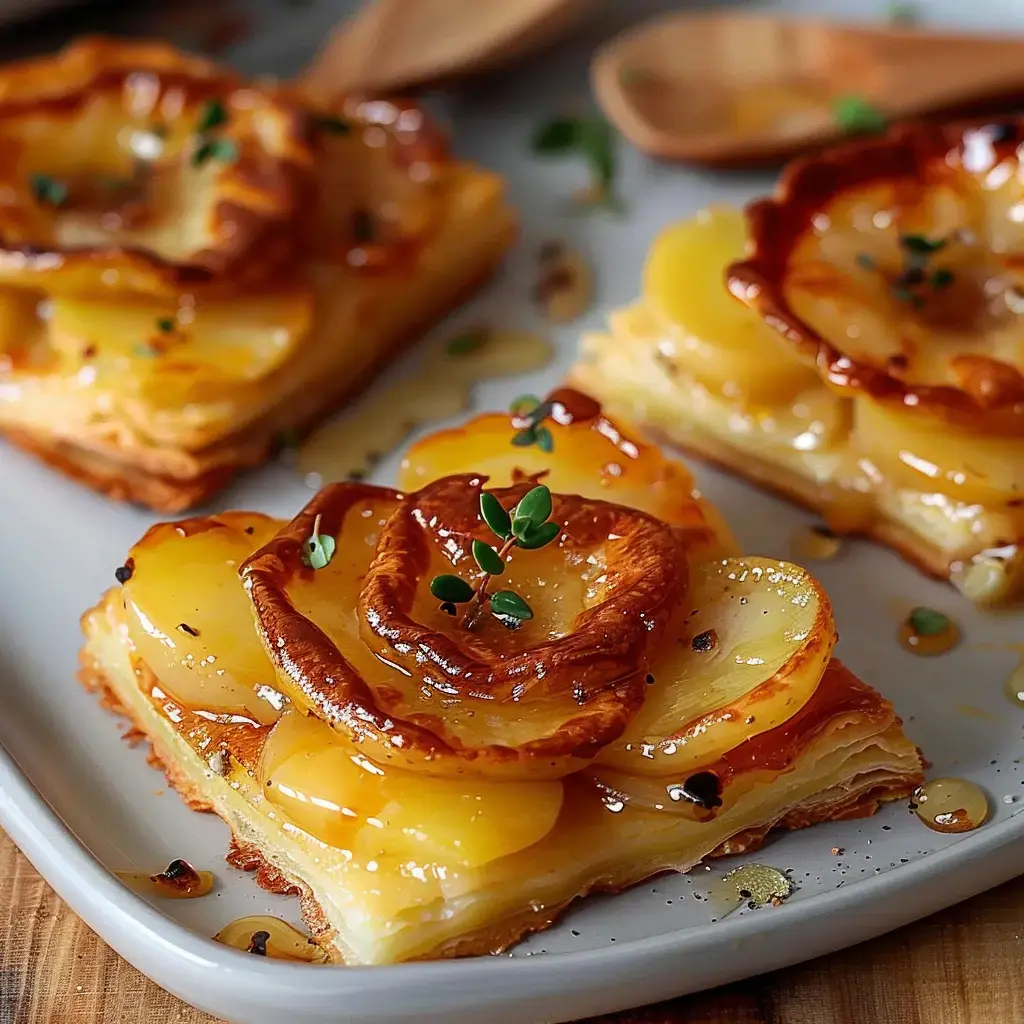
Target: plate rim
pixel 206 974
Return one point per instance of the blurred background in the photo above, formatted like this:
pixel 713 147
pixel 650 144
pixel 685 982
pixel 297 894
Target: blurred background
pixel 280 36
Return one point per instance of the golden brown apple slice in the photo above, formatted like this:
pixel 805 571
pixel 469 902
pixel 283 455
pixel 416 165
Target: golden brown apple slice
pixel 372 652
pixel 189 619
pixel 747 658
pixel 590 455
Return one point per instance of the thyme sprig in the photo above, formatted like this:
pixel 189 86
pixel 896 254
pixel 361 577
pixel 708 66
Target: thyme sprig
pixel 212 116
pixel 526 526
pixel 534 412
pixel 858 116
pixel 318 549
pixel 589 137
pixel 917 274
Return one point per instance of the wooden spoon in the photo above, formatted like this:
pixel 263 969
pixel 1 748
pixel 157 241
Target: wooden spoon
pixel 392 45
pixel 747 88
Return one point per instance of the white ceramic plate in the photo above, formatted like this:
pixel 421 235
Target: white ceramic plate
pixel 80 802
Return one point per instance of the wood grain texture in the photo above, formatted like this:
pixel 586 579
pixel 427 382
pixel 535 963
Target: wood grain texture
pixel 958 967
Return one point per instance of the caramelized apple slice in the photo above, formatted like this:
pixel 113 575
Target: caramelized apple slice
pixel 412 686
pixel 129 167
pixel 190 621
pixel 706 333
pixel 331 791
pixel 925 454
pixel 745 660
pixel 175 351
pixel 591 456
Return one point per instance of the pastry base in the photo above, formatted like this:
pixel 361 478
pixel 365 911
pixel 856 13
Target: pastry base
pixel 127 481
pixel 690 438
pixel 276 870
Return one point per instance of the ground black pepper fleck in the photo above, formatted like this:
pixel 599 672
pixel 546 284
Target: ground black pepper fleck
pixel 705 641
pixel 250 530
pixel 123 573
pixel 704 789
pixel 258 943
pixel 186 628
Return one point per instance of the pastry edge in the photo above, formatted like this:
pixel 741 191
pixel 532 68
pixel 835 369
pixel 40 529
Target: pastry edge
pixel 247 855
pixel 126 482
pixel 779 480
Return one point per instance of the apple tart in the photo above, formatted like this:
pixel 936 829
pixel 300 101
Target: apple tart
pixel 875 374
pixel 440 771
pixel 195 268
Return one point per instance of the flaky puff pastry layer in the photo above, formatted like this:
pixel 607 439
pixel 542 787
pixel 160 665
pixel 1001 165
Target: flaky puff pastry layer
pixel 874 433
pixel 434 790
pixel 194 267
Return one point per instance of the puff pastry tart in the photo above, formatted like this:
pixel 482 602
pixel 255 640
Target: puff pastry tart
pixel 193 266
pixel 439 784
pixel 876 373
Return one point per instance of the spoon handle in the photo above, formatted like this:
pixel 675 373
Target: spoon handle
pixel 392 45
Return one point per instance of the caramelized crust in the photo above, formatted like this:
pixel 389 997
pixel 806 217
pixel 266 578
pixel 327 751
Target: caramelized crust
pixel 906 166
pixel 593 672
pixel 98 89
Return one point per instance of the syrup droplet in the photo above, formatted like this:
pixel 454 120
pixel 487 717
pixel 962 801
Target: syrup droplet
pixel 815 543
pixel 178 881
pixel 928 632
pixel 755 885
pixel 261 935
pixel 1014 687
pixel 950 805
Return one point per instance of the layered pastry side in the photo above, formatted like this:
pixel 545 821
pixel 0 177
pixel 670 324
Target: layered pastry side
pixel 194 268
pixel 438 775
pixel 873 371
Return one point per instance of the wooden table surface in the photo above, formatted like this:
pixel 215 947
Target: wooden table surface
pixel 962 966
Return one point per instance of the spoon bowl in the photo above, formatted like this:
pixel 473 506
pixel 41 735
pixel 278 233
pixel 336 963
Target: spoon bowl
pixel 735 89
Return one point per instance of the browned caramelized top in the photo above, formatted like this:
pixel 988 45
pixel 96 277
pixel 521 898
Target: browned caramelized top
pixel 571 678
pixel 128 166
pixel 896 264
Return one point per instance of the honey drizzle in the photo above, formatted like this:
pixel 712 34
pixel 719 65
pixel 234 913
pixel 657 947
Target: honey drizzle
pixel 262 935
pixel 928 644
pixel 178 881
pixel 350 446
pixel 755 885
pixel 815 543
pixel 1014 686
pixel 950 805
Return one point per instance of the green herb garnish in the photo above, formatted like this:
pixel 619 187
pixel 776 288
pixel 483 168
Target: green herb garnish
pixel 534 411
pixel 927 621
pixel 215 149
pixel 48 191
pixel 471 341
pixel 165 324
pixel 856 115
pixel 211 115
pixel 593 139
pixel 318 550
pixel 526 526
pixel 916 275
